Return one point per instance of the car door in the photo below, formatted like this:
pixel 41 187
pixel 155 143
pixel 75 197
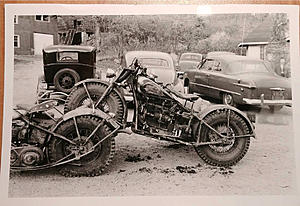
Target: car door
pixel 219 82
pixel 201 78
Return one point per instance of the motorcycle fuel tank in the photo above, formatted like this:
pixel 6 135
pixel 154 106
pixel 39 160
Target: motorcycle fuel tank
pixel 148 86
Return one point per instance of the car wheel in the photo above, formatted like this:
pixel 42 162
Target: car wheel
pixel 65 79
pixel 228 99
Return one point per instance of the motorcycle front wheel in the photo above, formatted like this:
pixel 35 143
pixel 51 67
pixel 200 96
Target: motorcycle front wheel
pixel 112 105
pixel 223 155
pixel 95 162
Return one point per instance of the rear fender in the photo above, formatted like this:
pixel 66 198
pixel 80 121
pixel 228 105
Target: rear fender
pixel 84 111
pixel 213 108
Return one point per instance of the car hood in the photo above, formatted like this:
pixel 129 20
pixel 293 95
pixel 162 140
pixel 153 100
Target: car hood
pixel 263 80
pixel 164 75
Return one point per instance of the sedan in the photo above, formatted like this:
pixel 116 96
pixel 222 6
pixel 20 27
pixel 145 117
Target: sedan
pixel 239 80
pixel 159 64
pixel 189 61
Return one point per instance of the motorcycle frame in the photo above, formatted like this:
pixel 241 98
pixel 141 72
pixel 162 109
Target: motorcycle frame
pixel 126 76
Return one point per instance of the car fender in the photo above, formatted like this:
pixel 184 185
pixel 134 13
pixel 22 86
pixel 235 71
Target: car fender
pixel 212 108
pixel 84 111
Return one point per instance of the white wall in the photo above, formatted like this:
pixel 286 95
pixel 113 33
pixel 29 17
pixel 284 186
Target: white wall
pixel 40 41
pixel 253 51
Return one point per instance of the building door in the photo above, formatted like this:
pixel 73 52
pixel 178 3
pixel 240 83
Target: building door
pixel 253 51
pixel 41 41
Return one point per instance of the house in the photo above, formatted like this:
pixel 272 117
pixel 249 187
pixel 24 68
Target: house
pixel 258 39
pixel 33 33
pixel 260 44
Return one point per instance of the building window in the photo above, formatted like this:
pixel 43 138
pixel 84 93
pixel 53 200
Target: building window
pixel 262 52
pixel 16 41
pixel 45 18
pixel 15 19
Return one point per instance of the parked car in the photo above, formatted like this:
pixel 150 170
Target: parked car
pixel 189 61
pixel 65 65
pixel 159 64
pixel 239 80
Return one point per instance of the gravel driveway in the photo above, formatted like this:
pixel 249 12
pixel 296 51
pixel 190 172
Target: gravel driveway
pixel 144 166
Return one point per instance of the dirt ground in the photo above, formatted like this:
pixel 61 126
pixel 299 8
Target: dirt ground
pixel 144 166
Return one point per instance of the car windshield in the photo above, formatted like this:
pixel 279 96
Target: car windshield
pixel 246 67
pixel 154 62
pixel 191 57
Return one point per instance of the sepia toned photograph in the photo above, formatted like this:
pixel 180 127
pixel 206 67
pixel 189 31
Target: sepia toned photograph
pixel 162 104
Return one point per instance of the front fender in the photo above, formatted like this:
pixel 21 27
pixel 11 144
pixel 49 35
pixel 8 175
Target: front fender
pixel 83 111
pixel 91 80
pixel 212 108
pixel 118 90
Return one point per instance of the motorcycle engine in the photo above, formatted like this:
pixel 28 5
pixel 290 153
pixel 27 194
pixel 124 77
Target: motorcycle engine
pixel 26 141
pixel 26 155
pixel 158 114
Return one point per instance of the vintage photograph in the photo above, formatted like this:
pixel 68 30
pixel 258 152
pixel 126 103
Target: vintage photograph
pixel 152 105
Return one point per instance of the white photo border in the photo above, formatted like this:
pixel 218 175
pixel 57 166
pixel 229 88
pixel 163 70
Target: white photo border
pixel 108 9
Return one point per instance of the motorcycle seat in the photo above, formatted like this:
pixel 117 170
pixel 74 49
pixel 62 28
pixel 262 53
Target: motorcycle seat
pixel 188 97
pixel 44 106
pixel 26 107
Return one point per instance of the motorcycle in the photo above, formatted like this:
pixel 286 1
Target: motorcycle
pixel 43 137
pixel 220 134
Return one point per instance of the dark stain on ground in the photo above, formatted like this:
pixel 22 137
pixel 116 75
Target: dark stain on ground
pixel 134 158
pixel 186 169
pixel 137 158
pixel 221 170
pixel 145 169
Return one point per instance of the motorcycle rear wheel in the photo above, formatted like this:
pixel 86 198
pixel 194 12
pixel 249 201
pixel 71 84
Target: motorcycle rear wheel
pixel 223 155
pixel 94 163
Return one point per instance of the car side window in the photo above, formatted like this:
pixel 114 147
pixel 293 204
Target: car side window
pixel 216 66
pixel 208 65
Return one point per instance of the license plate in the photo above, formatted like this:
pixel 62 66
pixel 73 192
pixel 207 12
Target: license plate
pixel 277 94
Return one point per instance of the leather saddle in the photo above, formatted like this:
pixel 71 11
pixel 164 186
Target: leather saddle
pixel 188 97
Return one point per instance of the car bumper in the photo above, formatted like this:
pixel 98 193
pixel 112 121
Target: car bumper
pixel 262 101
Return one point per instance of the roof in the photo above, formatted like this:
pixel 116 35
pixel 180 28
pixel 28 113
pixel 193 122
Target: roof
pixel 68 48
pixel 129 56
pixel 219 53
pixel 190 53
pixel 233 58
pixel 260 35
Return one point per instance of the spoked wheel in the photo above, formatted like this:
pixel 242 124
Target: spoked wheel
pixel 230 151
pixel 65 79
pixel 228 99
pixel 85 132
pixel 112 104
